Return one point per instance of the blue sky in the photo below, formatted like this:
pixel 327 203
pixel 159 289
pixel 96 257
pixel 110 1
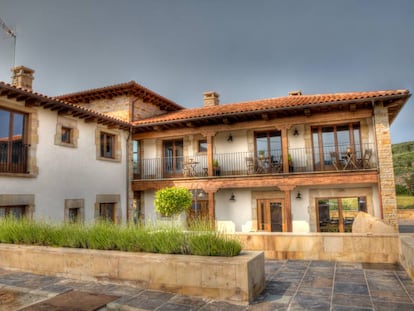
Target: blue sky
pixel 244 50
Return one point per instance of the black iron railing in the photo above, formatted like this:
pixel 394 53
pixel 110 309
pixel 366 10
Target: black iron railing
pixel 13 157
pixel 328 158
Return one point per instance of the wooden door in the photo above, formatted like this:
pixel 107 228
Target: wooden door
pixel 270 215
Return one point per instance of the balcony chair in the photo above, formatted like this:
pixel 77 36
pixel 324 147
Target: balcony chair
pixel 334 159
pixel 275 164
pixel 251 167
pixel 366 159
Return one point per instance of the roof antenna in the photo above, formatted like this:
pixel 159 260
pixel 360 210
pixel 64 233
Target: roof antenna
pixel 12 34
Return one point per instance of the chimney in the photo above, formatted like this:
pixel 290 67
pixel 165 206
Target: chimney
pixel 211 99
pixel 295 93
pixel 22 77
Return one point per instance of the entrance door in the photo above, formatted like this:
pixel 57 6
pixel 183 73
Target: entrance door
pixel 198 211
pixel 270 215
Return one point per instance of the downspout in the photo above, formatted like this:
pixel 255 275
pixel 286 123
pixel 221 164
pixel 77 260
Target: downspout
pixel 128 181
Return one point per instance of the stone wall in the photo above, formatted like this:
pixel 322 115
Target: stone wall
pixel 350 247
pixel 238 279
pixel 407 254
pixel 386 168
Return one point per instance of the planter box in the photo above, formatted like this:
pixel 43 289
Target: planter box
pixel 237 279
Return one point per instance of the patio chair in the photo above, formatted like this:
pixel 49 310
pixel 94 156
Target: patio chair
pixel 251 168
pixel 366 159
pixel 334 159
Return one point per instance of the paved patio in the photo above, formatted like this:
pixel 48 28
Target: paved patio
pixel 291 285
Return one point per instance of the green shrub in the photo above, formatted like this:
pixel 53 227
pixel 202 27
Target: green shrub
pixel 212 243
pixel 172 201
pixel 154 238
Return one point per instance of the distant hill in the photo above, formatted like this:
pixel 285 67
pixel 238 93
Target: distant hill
pixel 403 158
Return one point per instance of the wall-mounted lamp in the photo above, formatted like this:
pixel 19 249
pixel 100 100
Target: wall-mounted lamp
pixel 230 138
pixel 298 196
pixel 232 197
pixel 201 195
pixel 296 132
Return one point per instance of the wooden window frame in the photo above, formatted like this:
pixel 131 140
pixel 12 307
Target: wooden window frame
pixel 101 141
pixel 341 217
pixel 320 149
pixel 107 142
pixel 9 166
pixel 200 148
pixel 66 135
pixel 9 207
pixel 103 207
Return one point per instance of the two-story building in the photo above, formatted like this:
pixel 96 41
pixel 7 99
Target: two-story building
pixel 301 163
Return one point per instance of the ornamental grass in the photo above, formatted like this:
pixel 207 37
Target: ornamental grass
pixel 166 238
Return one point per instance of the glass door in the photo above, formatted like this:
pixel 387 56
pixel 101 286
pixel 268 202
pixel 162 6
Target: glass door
pixel 173 158
pixel 270 215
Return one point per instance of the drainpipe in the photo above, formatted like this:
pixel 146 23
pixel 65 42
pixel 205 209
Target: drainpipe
pixel 128 181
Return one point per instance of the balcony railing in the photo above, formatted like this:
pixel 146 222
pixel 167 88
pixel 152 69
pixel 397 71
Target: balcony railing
pixel 13 157
pixel 332 159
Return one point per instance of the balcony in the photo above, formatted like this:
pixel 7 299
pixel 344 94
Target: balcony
pixel 301 160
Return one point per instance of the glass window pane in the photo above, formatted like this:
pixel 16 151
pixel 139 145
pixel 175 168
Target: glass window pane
pixel 18 125
pixel 4 125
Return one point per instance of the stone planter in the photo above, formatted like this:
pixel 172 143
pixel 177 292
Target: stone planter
pixel 238 279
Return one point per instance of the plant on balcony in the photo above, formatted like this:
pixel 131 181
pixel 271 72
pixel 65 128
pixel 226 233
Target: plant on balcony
pixel 172 201
pixel 216 168
pixel 261 154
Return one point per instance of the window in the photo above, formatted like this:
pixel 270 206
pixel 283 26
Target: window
pixel 107 145
pixel 74 215
pixel 17 211
pixel 136 159
pixel 66 136
pixel 269 144
pixel 333 141
pixel 107 211
pixel 74 210
pixel 202 145
pixel 13 147
pixel 67 133
pixel 268 151
pixel 338 214
pixel 173 158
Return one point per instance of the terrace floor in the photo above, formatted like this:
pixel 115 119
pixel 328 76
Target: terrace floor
pixel 291 285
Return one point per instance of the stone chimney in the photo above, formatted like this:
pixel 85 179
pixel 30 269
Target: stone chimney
pixel 22 77
pixel 295 93
pixel 211 99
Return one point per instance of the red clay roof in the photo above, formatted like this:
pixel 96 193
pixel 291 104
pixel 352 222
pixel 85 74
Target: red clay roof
pixel 128 88
pixel 37 99
pixel 271 104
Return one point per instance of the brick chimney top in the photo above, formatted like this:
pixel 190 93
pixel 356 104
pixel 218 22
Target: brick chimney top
pixel 211 99
pixel 22 77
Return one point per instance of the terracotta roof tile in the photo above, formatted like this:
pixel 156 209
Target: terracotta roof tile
pixel 127 88
pixel 299 101
pixel 63 104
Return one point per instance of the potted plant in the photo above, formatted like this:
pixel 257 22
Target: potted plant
pixel 216 168
pixel 290 161
pixel 261 154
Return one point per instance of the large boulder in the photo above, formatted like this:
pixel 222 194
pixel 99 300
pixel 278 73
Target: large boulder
pixel 366 223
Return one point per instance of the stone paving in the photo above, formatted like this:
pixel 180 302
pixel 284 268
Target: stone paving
pixel 291 286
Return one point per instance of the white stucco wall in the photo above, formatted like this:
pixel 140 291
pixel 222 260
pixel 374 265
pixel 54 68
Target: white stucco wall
pixel 300 210
pixel 239 211
pixel 69 173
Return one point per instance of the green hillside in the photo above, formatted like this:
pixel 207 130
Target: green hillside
pixel 403 158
